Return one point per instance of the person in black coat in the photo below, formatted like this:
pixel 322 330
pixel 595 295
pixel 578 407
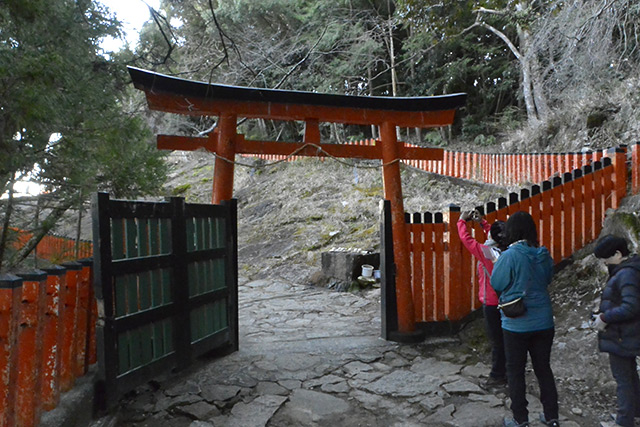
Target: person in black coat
pixel 618 323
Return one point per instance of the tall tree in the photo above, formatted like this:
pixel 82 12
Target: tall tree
pixel 510 22
pixel 63 107
pixel 325 46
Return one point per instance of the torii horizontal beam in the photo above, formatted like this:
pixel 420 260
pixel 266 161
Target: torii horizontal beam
pixel 174 95
pixel 243 146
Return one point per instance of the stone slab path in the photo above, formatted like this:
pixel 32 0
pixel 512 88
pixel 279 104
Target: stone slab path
pixel 314 357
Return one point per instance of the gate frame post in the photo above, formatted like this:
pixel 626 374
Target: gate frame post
pixel 392 184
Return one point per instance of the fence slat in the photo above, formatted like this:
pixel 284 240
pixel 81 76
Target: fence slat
pixel 50 390
pixel 29 346
pixel 10 302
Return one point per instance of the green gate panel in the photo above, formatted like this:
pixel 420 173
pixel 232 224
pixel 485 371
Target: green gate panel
pixel 166 275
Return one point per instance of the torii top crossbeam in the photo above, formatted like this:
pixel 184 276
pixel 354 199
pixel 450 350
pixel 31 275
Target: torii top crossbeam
pixel 180 96
pixel 174 95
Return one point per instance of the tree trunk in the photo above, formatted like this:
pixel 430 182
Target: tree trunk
pixel 527 92
pixel 539 97
pixel 6 222
pixel 527 84
pixel 374 128
pixel 38 234
pixel 79 230
pixel 532 93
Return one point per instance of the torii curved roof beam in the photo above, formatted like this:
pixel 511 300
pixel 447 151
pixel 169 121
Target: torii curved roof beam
pixel 175 95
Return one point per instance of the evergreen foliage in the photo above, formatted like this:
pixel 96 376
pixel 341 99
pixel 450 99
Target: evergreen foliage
pixel 63 115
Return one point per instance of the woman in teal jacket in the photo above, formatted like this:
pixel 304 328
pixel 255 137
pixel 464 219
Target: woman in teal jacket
pixel 525 270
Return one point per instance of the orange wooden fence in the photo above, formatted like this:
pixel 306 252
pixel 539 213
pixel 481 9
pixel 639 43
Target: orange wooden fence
pixel 568 212
pixel 508 169
pixel 47 338
pixel 55 248
pixel 517 168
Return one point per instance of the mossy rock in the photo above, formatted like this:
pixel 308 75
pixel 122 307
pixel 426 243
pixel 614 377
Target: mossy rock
pixel 181 190
pixel 625 222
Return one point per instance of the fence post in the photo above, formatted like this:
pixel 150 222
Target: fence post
pixel 589 226
pixel 578 209
pixel 598 197
pixel 501 214
pixel 454 295
pixel 415 239
pixel 556 228
pixel 525 202
pixel 29 347
pixel 92 350
pixel 476 170
pixel 546 215
pixel 389 309
pixel 559 164
pixel 607 185
pixel 439 229
pixel 83 318
pixel 514 205
pixel 546 166
pixel 428 295
pixel 635 168
pixel 69 324
pixel 534 201
pixel 539 168
pixel 567 215
pixel 10 302
pixel 490 213
pixel 50 390
pixel 619 159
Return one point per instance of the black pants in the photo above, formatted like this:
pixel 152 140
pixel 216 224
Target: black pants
pixel 493 325
pixel 538 345
pixel 628 388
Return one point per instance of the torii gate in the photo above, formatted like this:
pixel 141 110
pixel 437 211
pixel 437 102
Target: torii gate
pixel 174 95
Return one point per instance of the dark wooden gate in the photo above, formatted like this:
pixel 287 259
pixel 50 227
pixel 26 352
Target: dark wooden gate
pixel 166 284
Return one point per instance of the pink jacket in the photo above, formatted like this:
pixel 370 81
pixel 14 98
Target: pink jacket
pixel 486 293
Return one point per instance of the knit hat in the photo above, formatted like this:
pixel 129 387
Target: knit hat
pixel 608 245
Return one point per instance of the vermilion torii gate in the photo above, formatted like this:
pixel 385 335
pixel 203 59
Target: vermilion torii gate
pixel 173 95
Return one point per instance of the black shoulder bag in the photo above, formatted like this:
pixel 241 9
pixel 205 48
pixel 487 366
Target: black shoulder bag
pixel 513 308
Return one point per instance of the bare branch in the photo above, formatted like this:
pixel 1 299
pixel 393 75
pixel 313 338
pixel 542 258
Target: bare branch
pixel 492 11
pixel 292 69
pixel 503 37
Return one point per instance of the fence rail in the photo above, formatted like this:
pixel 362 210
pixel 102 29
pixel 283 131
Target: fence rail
pixel 507 169
pixel 47 338
pixel 54 248
pixel 568 213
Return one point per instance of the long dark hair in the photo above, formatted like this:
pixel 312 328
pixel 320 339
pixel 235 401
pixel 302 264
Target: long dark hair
pixel 497 234
pixel 520 226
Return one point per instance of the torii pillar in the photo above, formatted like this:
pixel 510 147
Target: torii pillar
pixel 392 184
pixel 224 141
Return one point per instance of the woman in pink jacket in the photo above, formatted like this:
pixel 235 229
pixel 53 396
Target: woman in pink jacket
pixel 486 254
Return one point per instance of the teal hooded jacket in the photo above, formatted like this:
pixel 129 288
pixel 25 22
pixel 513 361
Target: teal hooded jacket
pixel 529 271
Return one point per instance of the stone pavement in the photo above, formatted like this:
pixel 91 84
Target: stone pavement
pixel 314 357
